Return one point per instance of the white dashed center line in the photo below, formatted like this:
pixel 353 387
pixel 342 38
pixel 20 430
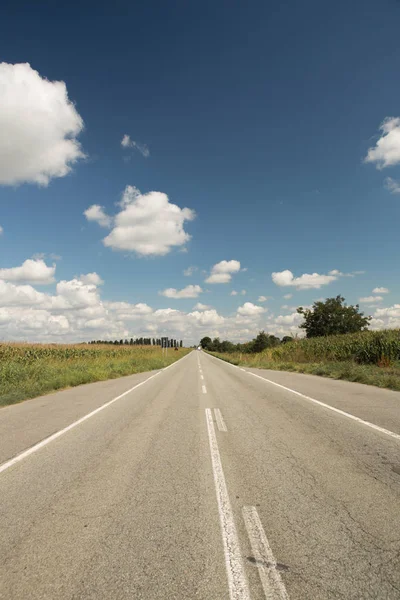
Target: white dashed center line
pixel 237 583
pixel 220 420
pixel 273 586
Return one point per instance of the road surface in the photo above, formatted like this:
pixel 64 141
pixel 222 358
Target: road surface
pixel 202 481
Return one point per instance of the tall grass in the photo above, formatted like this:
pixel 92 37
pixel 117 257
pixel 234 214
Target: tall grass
pixel 367 347
pixel 29 370
pixel 371 357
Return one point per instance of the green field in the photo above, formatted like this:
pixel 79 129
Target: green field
pixel 30 370
pixel 371 357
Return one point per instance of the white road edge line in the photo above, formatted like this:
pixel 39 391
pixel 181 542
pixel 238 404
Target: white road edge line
pixel 54 436
pixel 204 389
pixel 202 377
pixel 272 584
pixel 220 420
pixel 237 583
pixel 395 436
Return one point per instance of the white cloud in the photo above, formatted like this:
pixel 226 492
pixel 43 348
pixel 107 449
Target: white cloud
pixel 39 127
pixel 392 185
pixel 243 292
pixel 200 306
pixel 31 271
pixel 148 224
pixel 206 318
pixel 234 293
pixel 288 296
pixel 292 319
pixel 386 318
pixel 262 298
pixel 250 310
pixel 1 230
pixel 76 312
pixel 21 295
pixel 304 282
pixel 380 290
pixel 386 153
pixel 222 271
pixel 93 278
pixel 189 271
pixel 126 142
pixel 190 291
pixel 96 213
pixel 371 299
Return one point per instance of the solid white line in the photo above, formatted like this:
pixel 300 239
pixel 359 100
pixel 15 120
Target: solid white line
pixel 201 376
pixel 220 420
pixel 204 389
pixel 273 586
pixel 396 436
pixel 58 434
pixel 393 435
pixel 237 583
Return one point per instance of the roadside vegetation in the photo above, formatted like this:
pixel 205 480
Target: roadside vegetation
pixel 337 345
pixel 371 357
pixel 30 370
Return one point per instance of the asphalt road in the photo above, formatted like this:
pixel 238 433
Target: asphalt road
pixel 137 488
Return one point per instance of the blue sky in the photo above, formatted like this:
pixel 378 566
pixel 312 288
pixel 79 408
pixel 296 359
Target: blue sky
pixel 264 121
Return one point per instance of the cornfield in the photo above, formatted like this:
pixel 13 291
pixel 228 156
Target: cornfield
pixel 29 370
pixel 25 353
pixel 367 347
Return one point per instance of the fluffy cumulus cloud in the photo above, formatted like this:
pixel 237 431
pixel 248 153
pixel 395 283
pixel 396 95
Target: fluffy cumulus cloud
pixel 222 271
pixel 371 299
pixel 293 319
pixel 75 311
pixel 209 318
pixel 380 290
pixel 392 185
pixel 92 278
pixel 190 291
pixel 127 142
pixel 39 127
pixel 201 306
pixel 304 282
pixel 148 224
pixel 386 318
pixel 97 214
pixel 31 271
pixel 386 152
pixel 250 310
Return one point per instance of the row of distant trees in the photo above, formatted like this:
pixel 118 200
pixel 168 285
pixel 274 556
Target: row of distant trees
pixel 258 344
pixel 140 342
pixel 330 317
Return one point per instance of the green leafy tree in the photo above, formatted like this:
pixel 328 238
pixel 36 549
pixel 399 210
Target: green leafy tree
pixel 261 342
pixel 332 317
pixel 227 346
pixel 216 345
pixel 286 339
pixel 206 343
